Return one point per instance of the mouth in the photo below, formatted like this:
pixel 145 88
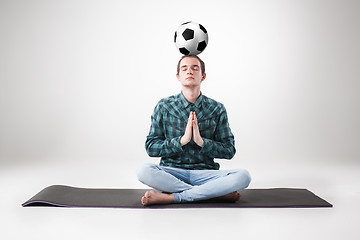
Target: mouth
pixel 189 78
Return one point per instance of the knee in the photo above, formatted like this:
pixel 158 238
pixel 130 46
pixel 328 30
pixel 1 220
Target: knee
pixel 143 172
pixel 244 178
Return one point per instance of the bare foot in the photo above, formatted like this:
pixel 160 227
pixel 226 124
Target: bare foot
pixel 231 197
pixel 153 197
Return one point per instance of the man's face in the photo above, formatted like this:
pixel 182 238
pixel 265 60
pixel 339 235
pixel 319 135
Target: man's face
pixel 190 72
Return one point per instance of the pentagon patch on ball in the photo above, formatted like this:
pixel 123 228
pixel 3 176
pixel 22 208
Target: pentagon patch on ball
pixel 191 38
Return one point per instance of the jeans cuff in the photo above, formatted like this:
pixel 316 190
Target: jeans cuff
pixel 176 197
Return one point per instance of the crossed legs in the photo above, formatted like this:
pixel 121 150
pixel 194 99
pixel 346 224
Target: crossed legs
pixel 181 185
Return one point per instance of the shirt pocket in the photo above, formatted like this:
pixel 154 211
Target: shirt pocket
pixel 207 128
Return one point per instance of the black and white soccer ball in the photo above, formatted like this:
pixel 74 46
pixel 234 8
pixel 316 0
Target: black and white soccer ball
pixel 191 38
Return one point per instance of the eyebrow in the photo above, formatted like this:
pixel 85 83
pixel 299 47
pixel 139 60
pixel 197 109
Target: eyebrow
pixel 195 65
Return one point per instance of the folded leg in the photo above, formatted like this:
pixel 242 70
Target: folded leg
pixel 209 184
pixel 164 179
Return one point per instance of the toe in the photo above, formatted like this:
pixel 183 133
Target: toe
pixel 144 201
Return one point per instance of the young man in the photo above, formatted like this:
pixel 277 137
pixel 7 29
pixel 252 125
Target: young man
pixel 188 131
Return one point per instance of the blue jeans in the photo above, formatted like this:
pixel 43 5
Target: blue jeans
pixel 193 185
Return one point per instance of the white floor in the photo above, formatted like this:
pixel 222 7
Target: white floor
pixel 337 183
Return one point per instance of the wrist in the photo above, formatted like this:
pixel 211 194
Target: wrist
pixel 200 142
pixel 183 141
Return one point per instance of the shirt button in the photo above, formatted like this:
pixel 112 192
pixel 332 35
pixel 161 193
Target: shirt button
pixel 192 107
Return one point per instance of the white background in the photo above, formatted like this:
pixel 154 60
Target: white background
pixel 80 79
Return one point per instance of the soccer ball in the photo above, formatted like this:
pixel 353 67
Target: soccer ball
pixel 191 38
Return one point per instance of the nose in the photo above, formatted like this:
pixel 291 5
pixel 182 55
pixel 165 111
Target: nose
pixel 189 71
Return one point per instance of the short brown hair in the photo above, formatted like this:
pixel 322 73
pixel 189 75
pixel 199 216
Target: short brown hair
pixel 202 64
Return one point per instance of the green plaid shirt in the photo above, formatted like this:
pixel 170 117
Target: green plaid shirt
pixel 168 123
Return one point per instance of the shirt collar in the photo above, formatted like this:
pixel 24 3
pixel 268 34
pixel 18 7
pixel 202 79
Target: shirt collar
pixel 186 103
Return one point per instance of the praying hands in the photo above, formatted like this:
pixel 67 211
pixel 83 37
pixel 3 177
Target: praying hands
pixel 192 132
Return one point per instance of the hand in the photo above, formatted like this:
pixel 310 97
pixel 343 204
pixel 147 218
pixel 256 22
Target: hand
pixel 188 131
pixel 196 132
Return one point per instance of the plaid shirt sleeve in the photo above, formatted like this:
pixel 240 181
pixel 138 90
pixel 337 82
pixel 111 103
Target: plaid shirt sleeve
pixel 156 144
pixel 223 146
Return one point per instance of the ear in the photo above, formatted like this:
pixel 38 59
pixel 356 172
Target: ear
pixel 203 77
pixel 178 77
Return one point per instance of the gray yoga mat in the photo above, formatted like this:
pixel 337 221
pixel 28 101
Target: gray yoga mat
pixel 65 196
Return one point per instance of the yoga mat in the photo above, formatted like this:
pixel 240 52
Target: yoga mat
pixel 65 196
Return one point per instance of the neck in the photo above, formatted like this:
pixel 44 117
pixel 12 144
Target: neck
pixel 191 94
